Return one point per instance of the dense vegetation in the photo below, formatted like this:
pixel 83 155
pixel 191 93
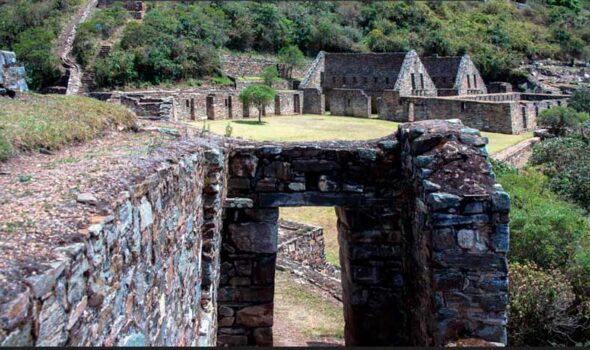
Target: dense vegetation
pixel 30 28
pixel 53 121
pixel 179 41
pixel 550 237
pixel 496 33
pixel 549 262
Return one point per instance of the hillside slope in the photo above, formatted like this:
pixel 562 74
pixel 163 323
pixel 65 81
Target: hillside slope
pixel 181 41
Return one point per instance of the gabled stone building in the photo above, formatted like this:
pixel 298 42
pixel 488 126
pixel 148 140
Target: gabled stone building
pixel 352 84
pixel 454 75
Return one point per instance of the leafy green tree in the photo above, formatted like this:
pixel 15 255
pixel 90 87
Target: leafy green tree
pixel 270 75
pixel 258 95
pixel 580 100
pixel 559 119
pixel 290 57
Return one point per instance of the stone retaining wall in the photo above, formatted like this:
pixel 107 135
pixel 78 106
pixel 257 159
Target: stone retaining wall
pixel 12 76
pixel 517 155
pixel 137 276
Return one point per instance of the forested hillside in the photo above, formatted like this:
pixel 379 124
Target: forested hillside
pixel 178 41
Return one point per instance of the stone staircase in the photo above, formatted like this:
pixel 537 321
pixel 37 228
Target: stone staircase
pixel 312 70
pixel 88 80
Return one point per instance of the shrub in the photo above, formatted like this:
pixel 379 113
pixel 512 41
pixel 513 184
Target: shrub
pixel 270 75
pixel 542 308
pixel 580 100
pixel 566 160
pixel 559 119
pixel 544 229
pixel 222 80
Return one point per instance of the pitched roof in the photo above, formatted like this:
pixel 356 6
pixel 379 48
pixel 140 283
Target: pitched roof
pixel 366 63
pixel 442 70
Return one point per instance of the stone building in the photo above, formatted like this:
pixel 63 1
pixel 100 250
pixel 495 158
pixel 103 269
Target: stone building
pixel 454 75
pixel 12 76
pixel 507 113
pixel 402 87
pixel 352 84
pixel 200 104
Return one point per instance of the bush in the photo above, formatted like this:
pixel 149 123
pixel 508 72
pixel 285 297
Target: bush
pixel 544 229
pixel 580 100
pixel 270 75
pixel 542 308
pixel 559 119
pixel 566 160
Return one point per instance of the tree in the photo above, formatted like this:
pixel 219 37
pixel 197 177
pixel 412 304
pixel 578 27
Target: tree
pixel 559 119
pixel 259 95
pixel 290 57
pixel 580 100
pixel 270 75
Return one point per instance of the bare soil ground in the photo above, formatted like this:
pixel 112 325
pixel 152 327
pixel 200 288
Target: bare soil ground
pixel 38 195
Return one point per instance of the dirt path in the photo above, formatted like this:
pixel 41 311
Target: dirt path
pixel 66 42
pixel 305 315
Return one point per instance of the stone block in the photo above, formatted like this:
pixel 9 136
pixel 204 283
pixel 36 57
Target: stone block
pixel 500 201
pixel 254 294
pixel 443 239
pixel 440 201
pixel 466 238
pixel 243 165
pixel 255 316
pixel 501 239
pixel 254 237
pixel 232 340
pixel 263 336
pixel 441 220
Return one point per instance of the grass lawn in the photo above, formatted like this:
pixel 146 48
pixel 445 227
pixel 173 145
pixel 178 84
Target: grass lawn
pixel 53 121
pixel 309 127
pixel 325 127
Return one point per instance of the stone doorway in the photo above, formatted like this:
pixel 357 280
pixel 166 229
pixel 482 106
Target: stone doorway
pixel 410 239
pixel 296 104
pixel 277 105
pixel 210 107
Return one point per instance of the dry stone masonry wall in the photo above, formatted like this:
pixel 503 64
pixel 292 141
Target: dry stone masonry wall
pixel 12 76
pixel 187 255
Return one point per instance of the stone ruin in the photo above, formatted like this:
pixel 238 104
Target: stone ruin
pixel 12 76
pixel 187 254
pixel 404 87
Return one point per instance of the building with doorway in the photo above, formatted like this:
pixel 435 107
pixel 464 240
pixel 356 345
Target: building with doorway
pixel 404 87
pixel 352 83
pixel 200 104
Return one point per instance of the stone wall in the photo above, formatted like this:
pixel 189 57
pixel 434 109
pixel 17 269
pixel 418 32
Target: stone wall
pixel 187 255
pixel 199 105
pixel 349 102
pixel 302 243
pixel 12 76
pixel 143 274
pixel 469 81
pixel 419 218
pixel 245 66
pixel 313 101
pixel 517 155
pixel 510 113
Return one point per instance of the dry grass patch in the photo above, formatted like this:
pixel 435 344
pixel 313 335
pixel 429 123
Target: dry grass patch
pixel 307 311
pixel 53 121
